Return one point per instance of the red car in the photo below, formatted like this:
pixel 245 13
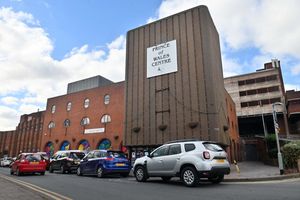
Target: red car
pixel 28 163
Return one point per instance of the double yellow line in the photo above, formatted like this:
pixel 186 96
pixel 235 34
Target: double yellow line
pixel 35 188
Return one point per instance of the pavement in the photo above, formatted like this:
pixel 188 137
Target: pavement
pixel 256 171
pixel 248 172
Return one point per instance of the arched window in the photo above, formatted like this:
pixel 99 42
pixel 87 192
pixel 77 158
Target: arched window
pixel 105 119
pixel 67 123
pixel 53 108
pixel 65 145
pixel 83 145
pixel 86 103
pixel 85 121
pixel 69 106
pixel 106 99
pixel 51 125
pixel 49 148
pixel 104 144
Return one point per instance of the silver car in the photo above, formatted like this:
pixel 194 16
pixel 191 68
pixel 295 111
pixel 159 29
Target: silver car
pixel 188 159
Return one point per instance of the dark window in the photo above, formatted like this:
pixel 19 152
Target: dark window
pixel 274 100
pixel 243 93
pixel 189 147
pixel 260 80
pixel 271 78
pixel 212 147
pixel 262 90
pixel 250 81
pixel 273 89
pixel 265 101
pixel 174 149
pixel 251 92
pixel 244 104
pixel 241 82
pixel 67 123
pixel 253 103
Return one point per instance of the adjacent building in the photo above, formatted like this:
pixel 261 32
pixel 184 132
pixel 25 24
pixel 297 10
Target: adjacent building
pixel 89 116
pixel 293 110
pixel 174 82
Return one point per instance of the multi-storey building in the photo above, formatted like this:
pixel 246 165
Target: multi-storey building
pixel 89 116
pixel 254 94
pixel 293 110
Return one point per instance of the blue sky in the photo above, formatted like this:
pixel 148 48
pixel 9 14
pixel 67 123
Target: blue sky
pixel 45 44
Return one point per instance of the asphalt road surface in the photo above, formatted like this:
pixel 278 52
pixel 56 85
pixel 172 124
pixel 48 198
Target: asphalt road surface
pixel 116 188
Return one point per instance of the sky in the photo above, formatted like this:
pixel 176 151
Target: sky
pixel 45 44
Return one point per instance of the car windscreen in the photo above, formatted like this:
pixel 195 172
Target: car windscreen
pixel 33 157
pixel 116 154
pixel 212 147
pixel 76 155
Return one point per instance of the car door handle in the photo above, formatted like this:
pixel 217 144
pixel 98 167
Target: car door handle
pixel 177 158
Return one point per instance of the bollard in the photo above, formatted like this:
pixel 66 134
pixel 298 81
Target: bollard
pixel 236 166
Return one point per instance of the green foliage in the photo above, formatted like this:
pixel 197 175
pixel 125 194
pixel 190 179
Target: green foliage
pixel 271 144
pixel 291 153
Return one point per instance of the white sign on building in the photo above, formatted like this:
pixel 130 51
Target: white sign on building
pixel 162 59
pixel 94 130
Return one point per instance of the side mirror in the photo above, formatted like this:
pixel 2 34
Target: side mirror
pixel 150 155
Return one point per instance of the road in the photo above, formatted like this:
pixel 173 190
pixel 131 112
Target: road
pixel 116 188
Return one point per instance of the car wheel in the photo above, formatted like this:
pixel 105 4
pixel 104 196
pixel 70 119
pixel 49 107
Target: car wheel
pixel 189 176
pixel 11 171
pixel 125 174
pixel 79 173
pixel 18 173
pixel 100 172
pixel 140 174
pixel 50 169
pixel 42 173
pixel 217 179
pixel 62 169
pixel 166 178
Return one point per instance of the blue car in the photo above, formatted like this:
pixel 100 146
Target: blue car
pixel 102 162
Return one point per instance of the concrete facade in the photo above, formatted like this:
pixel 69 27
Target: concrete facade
pixel 188 103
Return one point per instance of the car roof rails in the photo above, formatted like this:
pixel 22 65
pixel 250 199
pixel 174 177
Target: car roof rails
pixel 182 140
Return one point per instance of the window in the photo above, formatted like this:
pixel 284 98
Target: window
pixel 260 80
pixel 251 92
pixel 241 82
pixel 86 103
pixel 174 149
pixel 106 99
pixel 67 123
pixel 265 101
pixel 243 93
pixel 105 119
pixel 253 103
pixel 250 81
pixel 262 90
pixel 160 152
pixel 273 89
pixel 244 104
pixel 189 147
pixel 274 100
pixel 69 106
pixel 51 124
pixel 271 78
pixel 85 121
pixel 53 108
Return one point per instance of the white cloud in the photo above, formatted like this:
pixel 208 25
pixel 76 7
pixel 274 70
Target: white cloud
pixel 29 75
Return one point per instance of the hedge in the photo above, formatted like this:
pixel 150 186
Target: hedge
pixel 291 153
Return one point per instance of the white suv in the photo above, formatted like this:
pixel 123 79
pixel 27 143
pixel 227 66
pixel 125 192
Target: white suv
pixel 188 159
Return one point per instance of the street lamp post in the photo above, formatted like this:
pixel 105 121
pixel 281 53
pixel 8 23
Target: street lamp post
pixel 276 126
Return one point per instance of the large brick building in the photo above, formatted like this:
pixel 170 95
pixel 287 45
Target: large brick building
pixel 89 116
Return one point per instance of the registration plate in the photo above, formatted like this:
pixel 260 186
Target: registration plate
pixel 220 161
pixel 34 163
pixel 120 164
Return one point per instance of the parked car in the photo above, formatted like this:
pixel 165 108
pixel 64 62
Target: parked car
pixel 5 162
pixel 188 159
pixel 102 162
pixel 45 156
pixel 28 163
pixel 66 161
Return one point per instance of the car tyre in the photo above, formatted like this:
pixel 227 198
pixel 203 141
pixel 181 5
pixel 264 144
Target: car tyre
pixel 166 178
pixel 62 169
pixel 140 174
pixel 42 173
pixel 18 173
pixel 50 169
pixel 11 171
pixel 79 173
pixel 100 172
pixel 189 176
pixel 217 179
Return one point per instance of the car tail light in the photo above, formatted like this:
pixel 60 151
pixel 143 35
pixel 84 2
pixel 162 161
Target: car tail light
pixel 206 155
pixel 109 158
